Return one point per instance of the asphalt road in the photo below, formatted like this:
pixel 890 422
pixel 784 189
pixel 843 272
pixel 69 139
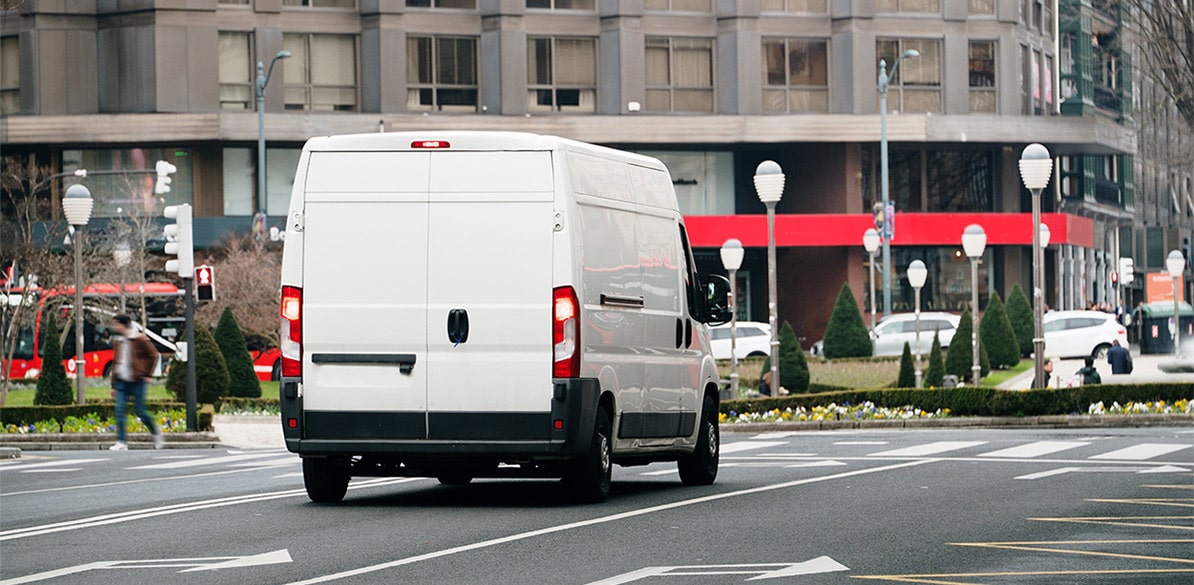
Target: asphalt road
pixel 932 506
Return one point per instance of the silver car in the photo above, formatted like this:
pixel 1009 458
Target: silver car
pixel 894 331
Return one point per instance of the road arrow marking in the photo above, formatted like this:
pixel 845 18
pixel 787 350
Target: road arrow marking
pixel 822 564
pixel 1065 470
pixel 829 463
pixel 194 564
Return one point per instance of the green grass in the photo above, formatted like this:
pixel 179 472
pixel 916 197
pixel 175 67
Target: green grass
pixel 997 377
pixel 841 373
pixel 22 395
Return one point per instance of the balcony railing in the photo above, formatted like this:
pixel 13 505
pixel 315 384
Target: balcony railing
pixel 1107 98
pixel 1107 192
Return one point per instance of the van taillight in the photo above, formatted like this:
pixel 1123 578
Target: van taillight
pixel 291 331
pixel 565 333
pixel 430 144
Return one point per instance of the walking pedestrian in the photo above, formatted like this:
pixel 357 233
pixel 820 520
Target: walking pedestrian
pixel 131 370
pixel 1120 358
pixel 1047 368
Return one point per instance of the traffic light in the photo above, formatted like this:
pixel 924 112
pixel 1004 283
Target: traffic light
pixel 877 210
pixel 1127 271
pixel 205 283
pixel 164 169
pixel 178 240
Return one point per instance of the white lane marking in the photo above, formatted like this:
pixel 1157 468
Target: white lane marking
pixel 288 475
pixel 829 463
pixel 929 449
pixel 775 435
pixel 1035 449
pixel 58 463
pixel 179 457
pixel 54 470
pixel 1065 470
pixel 131 515
pixel 661 472
pixel 822 564
pixel 68 488
pixel 749 445
pixel 861 443
pixel 196 564
pixel 290 460
pixel 788 455
pixel 1141 452
pixel 207 461
pixel 601 520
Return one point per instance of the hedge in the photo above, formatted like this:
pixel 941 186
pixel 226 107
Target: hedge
pixel 971 401
pixel 26 415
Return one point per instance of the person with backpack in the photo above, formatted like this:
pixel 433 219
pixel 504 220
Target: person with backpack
pixel 1089 374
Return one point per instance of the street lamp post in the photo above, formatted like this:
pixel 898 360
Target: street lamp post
pixel 76 205
pixel 769 183
pixel 917 273
pixel 870 243
pixel 731 258
pixel 123 256
pixel 974 242
pixel 1175 263
pixel 262 81
pixel 884 81
pixel 1035 168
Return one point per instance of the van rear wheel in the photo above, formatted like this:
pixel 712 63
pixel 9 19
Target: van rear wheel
pixel 326 480
pixel 700 468
pixel 590 476
pixel 454 478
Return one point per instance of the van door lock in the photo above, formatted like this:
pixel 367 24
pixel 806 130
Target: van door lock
pixel 457 326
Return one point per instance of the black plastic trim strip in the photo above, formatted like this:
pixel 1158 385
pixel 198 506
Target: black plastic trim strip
pixel 405 361
pixel 618 301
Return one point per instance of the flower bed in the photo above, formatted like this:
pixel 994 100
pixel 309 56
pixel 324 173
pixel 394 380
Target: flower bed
pixel 1182 406
pixel 170 421
pixel 865 411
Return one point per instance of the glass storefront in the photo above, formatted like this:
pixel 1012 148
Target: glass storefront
pixel 129 191
pixel 948 286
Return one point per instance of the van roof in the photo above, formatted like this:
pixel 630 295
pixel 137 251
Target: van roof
pixel 459 140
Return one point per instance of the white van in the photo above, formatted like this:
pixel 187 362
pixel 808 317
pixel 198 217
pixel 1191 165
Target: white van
pixel 484 304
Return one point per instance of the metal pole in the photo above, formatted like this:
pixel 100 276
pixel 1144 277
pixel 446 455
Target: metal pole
pixel 81 398
pixel 1177 319
pixel 734 335
pixel 975 368
pixel 260 87
pixel 919 373
pixel 883 81
pixel 1038 294
pixel 872 292
pixel 192 355
pixel 772 303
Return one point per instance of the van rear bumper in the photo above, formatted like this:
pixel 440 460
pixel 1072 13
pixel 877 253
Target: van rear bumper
pixel 573 408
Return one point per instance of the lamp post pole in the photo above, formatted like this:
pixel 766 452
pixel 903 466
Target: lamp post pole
pixel 1035 168
pixel 731 258
pixel 262 81
pixel 1175 263
pixel 870 243
pixel 974 241
pixel 76 205
pixel 769 183
pixel 884 81
pixel 916 277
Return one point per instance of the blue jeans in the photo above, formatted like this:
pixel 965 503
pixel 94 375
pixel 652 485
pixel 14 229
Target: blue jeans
pixel 137 391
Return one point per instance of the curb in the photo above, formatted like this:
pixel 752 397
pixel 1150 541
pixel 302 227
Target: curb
pixel 101 441
pixel 10 453
pixel 970 422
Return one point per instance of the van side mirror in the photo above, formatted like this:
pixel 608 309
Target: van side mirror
pixel 718 304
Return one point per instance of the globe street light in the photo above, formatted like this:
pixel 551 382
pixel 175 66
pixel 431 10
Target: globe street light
pixel 123 255
pixel 884 81
pixel 1175 263
pixel 769 183
pixel 870 242
pixel 917 273
pixel 262 81
pixel 974 241
pixel 1035 168
pixel 731 258
pixel 76 205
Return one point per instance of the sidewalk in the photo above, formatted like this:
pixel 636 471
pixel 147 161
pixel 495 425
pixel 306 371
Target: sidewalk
pixel 1145 368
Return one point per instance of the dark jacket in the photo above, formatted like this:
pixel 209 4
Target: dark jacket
pixel 1120 359
pixel 1090 375
pixel 144 357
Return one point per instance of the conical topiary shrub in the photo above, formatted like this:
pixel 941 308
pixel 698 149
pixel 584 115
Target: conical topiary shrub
pixel 958 360
pixel 997 335
pixel 935 375
pixel 1019 314
pixel 243 380
pixel 846 335
pixel 793 368
pixel 52 385
pixel 907 378
pixel 211 373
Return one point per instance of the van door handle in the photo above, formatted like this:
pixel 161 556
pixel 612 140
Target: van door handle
pixel 679 333
pixel 687 333
pixel 457 326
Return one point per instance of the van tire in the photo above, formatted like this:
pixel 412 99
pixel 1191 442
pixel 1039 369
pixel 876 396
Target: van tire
pixel 700 468
pixel 454 478
pixel 326 480
pixel 590 476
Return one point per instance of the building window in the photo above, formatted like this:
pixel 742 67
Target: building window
pixel 916 85
pixel 441 73
pixel 982 6
pixel 561 75
pixel 239 164
pixel 240 2
pixel 982 76
pixel 679 5
pixel 795 75
pixel 794 5
pixel 679 75
pixel 319 3
pixel 321 73
pixel 466 4
pixel 560 4
pixel 236 71
pixel 123 195
pixel 1026 79
pixel 703 181
pixel 907 5
pixel 10 75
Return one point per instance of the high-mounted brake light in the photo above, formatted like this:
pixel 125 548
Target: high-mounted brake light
pixel 565 333
pixel 291 331
pixel 430 144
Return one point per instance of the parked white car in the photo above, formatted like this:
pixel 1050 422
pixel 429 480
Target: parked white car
pixel 753 340
pixel 895 330
pixel 1074 334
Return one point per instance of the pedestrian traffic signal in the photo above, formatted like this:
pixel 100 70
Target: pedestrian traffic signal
pixel 205 283
pixel 1127 271
pixel 164 170
pixel 178 240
